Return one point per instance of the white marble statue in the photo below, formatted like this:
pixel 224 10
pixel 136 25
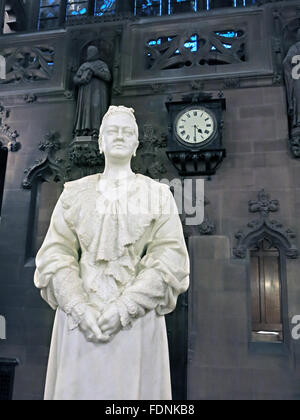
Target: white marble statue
pixel 112 264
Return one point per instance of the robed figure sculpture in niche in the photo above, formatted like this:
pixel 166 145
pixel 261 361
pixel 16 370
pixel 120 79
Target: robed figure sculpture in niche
pixel 292 81
pixel 113 263
pixel 92 79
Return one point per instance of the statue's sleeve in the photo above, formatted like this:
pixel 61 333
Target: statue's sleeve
pixel 101 70
pixel 163 271
pixel 57 269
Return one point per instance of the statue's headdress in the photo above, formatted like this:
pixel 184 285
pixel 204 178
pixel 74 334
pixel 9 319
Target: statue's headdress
pixel 118 110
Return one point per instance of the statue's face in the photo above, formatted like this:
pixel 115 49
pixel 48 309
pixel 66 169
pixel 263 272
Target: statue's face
pixel 119 139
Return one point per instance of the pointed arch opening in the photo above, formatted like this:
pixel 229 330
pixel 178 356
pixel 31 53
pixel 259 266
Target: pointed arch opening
pixel 266 279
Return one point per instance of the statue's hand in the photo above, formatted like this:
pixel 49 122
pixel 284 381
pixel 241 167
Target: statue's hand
pixel 110 322
pixel 87 76
pixel 90 328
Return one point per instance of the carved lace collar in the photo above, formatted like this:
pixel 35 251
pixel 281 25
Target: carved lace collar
pixel 106 227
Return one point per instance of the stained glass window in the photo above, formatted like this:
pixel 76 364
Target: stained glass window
pixel 148 7
pixel 228 35
pixel 49 14
pixel 192 43
pixel 77 7
pixel 180 6
pixel 105 7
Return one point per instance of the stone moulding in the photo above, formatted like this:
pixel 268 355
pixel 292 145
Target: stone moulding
pixel 281 237
pixel 48 164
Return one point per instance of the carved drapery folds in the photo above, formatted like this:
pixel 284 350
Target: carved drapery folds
pixel 92 73
pixel 286 46
pixel 263 227
pixel 48 165
pixel 28 64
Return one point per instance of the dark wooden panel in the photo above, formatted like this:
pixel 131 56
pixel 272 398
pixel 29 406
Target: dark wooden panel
pixel 272 290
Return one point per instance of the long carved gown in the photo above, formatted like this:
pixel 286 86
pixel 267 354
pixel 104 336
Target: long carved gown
pixel 93 97
pixel 292 86
pixel 129 252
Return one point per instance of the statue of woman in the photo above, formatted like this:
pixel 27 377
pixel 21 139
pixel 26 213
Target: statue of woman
pixel 293 86
pixel 113 263
pixel 93 79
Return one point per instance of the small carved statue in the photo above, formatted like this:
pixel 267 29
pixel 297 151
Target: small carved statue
pixel 293 88
pixel 113 263
pixel 93 79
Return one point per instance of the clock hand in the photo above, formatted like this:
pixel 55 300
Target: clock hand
pixel 199 129
pixel 195 133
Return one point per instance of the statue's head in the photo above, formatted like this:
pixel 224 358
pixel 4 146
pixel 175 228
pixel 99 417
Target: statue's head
pixel 119 134
pixel 92 53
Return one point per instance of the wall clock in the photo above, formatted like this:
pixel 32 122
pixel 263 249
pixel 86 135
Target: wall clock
pixel 195 126
pixel 195 141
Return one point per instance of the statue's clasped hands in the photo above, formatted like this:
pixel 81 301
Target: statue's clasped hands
pixel 100 328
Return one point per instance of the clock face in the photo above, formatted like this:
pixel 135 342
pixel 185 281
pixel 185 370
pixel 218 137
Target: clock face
pixel 195 126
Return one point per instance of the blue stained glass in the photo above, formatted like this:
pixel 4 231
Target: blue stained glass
pixel 192 44
pixel 105 7
pixel 148 7
pixel 178 6
pixel 49 13
pixel 77 7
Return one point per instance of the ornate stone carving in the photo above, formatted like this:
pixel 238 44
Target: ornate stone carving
pixel 68 94
pixel 8 136
pixel 265 228
pixel 48 164
pixel 202 162
pixel 150 145
pixel 208 227
pixel 197 96
pixel 30 98
pixel 197 85
pixel 85 153
pixel 232 83
pixel 158 87
pixel 4 113
pixel 263 205
pixel 190 49
pixel 28 64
